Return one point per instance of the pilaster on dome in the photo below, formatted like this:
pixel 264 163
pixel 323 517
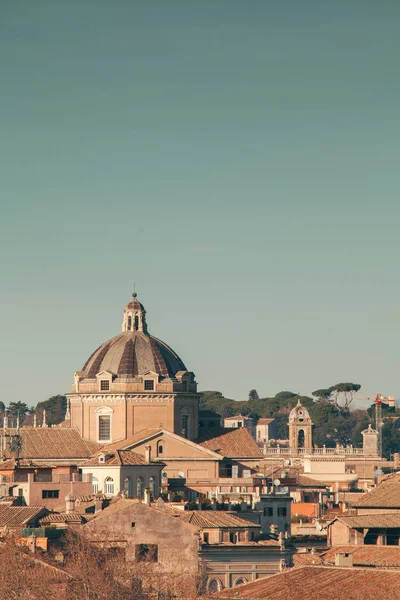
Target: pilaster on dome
pixel 134 316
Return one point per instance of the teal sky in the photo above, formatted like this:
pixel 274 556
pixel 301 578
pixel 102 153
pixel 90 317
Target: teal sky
pixel 238 160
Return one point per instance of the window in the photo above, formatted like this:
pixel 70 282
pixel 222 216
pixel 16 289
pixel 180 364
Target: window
pixel 104 428
pixel 206 537
pixel 252 536
pixel 139 487
pixel 268 511
pixel 50 493
pixel 109 486
pixel 152 486
pixel 281 511
pixel 20 491
pixel 232 537
pixel 95 485
pixel 147 552
pixel 185 423
pixel 160 449
pixel 149 384
pixel 184 386
pixel 104 385
pixel 129 323
pixel 133 524
pixel 128 486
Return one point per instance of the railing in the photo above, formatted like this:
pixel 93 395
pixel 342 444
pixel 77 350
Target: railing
pixel 62 478
pixel 316 451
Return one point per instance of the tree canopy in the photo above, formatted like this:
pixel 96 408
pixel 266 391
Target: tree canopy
pixel 340 394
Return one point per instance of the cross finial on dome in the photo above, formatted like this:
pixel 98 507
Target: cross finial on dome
pixel 134 295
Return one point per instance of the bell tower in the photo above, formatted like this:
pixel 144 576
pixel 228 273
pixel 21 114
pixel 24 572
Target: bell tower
pixel 300 429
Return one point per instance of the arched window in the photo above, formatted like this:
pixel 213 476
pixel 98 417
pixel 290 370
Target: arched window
pixel 129 323
pixel 136 323
pixel 214 585
pixel 128 486
pixel 300 439
pixel 240 580
pixel 160 449
pixel 95 485
pixel 109 486
pixel 152 486
pixel 139 487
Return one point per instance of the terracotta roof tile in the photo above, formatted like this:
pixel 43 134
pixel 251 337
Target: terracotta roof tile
pixel 18 516
pixel 204 519
pixel 52 443
pixel 306 558
pixel 386 495
pixel 63 518
pixel 389 521
pixel 119 457
pixel 370 555
pixel 320 582
pixel 234 443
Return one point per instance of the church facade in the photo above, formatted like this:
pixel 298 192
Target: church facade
pixel 132 382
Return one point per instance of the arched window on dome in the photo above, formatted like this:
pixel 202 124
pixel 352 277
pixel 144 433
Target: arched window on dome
pixel 129 323
pixel 136 323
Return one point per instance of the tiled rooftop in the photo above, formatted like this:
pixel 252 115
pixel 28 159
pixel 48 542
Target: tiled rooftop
pixel 118 457
pixel 207 519
pixel 390 521
pixel 369 555
pixel 234 443
pixel 321 583
pixel 386 495
pixel 62 518
pixel 52 443
pixel 18 516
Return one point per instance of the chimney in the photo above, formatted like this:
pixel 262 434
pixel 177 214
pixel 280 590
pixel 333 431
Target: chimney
pixel 148 453
pixel 5 420
pixel 69 503
pixel 98 505
pixel 147 496
pixel 34 420
pixel 44 424
pixel 343 559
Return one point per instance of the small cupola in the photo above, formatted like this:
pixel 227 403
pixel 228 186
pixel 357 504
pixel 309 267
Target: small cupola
pixel 134 316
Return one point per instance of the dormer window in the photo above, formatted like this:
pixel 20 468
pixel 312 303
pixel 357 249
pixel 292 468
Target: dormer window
pixel 104 385
pixel 102 459
pixel 149 385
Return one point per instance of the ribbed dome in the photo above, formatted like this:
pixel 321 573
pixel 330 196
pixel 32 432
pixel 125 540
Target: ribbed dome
pixel 134 351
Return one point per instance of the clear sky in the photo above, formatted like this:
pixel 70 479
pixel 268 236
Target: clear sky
pixel 238 160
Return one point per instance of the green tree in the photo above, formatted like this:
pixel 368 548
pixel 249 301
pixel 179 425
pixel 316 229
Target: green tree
pixel 253 395
pixel 16 409
pixel 55 408
pixel 340 394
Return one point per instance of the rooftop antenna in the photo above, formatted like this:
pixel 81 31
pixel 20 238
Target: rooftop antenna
pixel 134 290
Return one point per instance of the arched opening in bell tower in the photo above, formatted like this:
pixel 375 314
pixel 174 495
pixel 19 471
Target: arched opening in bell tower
pixel 300 438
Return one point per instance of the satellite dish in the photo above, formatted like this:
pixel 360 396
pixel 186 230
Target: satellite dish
pixel 181 474
pixel 165 474
pixel 277 482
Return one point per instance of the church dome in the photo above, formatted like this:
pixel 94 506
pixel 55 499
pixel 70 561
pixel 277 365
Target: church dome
pixel 134 351
pixel 299 413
